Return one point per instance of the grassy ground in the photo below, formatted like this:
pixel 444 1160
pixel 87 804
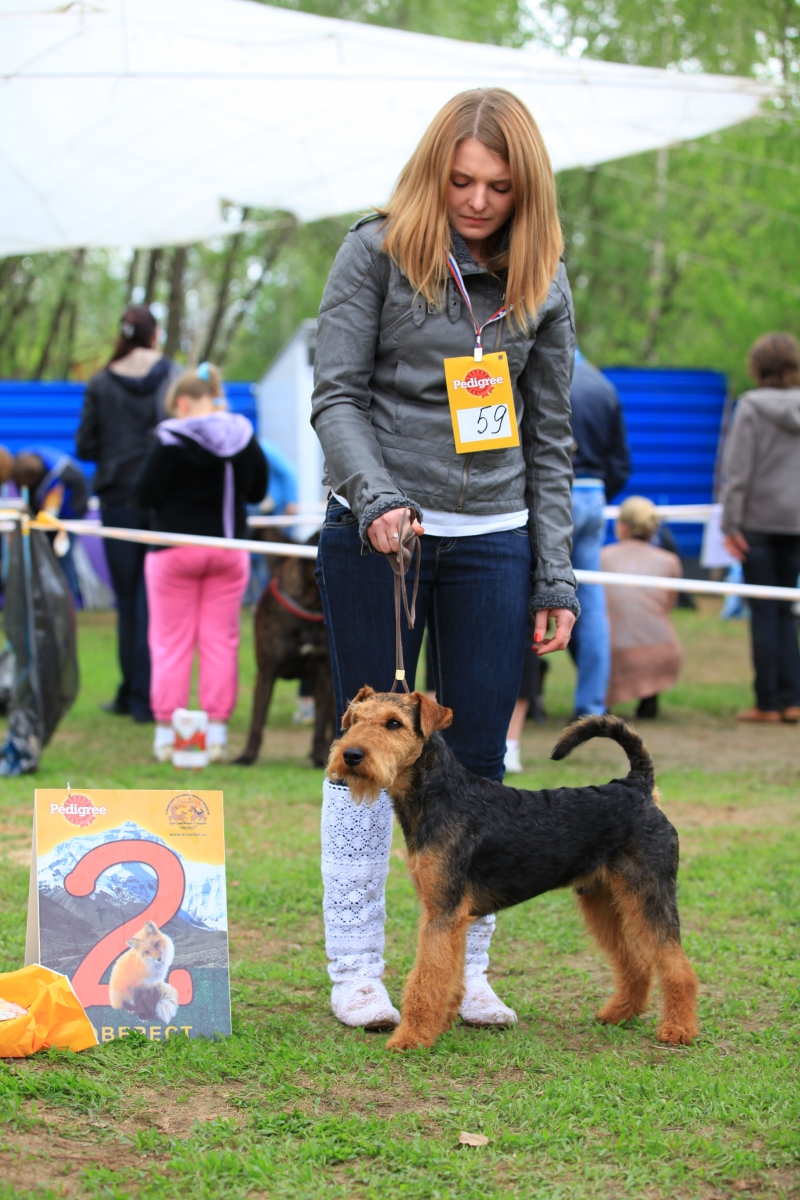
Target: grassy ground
pixel 294 1105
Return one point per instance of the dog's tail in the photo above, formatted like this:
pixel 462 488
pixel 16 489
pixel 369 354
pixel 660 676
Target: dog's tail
pixel 608 727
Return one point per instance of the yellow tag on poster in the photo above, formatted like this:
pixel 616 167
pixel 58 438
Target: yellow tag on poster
pixel 481 403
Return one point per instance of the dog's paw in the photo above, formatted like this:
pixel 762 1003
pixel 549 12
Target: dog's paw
pixel 676 1035
pixel 615 1013
pixel 404 1041
pixel 244 760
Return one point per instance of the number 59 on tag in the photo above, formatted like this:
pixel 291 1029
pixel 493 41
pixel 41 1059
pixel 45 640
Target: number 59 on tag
pixel 481 403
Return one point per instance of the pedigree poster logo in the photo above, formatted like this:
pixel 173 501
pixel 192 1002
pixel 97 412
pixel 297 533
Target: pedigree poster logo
pixel 187 808
pixel 481 403
pixel 78 810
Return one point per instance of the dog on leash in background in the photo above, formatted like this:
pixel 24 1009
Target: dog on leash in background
pixel 291 642
pixel 476 846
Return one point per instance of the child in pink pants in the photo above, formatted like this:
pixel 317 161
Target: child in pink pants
pixel 205 467
pixel 195 597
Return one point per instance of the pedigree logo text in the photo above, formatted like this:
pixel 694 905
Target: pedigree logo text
pixel 478 382
pixel 78 810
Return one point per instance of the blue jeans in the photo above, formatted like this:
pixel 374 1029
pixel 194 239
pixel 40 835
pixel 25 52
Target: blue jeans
pixel 473 593
pixel 590 645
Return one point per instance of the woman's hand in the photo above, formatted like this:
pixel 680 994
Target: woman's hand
pixel 382 529
pixel 737 547
pixel 564 620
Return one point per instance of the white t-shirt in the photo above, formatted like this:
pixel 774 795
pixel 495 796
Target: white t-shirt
pixel 448 524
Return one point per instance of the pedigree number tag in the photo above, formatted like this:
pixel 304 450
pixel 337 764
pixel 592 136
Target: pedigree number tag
pixel 481 403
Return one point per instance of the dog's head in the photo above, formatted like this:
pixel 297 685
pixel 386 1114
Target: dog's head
pixel 384 733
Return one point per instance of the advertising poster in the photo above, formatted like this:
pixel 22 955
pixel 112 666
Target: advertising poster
pixel 127 899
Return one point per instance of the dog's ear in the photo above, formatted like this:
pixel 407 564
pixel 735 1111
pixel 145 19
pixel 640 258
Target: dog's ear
pixel 364 694
pixel 432 715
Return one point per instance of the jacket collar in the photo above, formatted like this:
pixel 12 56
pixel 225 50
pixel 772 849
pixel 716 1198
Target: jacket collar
pixel 463 257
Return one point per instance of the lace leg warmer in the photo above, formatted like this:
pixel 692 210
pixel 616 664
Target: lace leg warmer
pixel 479 936
pixel 356 839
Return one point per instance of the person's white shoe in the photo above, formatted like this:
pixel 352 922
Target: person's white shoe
pixel 512 761
pixel 364 1003
pixel 217 742
pixel 481 1006
pixel 163 743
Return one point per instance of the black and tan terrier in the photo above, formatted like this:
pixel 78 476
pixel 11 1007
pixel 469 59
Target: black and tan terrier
pixel 476 846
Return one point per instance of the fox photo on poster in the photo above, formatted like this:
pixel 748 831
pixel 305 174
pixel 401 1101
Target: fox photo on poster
pixel 127 899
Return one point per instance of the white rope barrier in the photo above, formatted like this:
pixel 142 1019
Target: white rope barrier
pixel 677 514
pixel 700 587
pixel 149 537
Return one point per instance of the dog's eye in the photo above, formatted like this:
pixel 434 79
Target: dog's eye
pixel 393 723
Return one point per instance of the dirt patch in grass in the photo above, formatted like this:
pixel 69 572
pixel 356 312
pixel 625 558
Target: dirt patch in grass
pixel 696 816
pixel 54 1152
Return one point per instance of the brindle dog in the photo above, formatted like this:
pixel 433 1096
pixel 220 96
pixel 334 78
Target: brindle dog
pixel 291 642
pixel 476 846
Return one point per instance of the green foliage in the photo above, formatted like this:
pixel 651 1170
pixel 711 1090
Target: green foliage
pixel 745 37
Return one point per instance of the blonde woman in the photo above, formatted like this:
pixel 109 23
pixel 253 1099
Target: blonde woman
pixel 455 291
pixel 645 651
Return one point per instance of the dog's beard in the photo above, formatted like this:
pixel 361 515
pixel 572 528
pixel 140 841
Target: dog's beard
pixel 366 782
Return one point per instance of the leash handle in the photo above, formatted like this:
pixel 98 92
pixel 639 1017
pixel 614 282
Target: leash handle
pixel 407 544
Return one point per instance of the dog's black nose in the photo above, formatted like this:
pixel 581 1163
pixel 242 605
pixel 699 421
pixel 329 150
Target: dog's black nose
pixel 353 756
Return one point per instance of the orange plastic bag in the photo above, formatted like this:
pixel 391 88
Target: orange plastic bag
pixel 55 1015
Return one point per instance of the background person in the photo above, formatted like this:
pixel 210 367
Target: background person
pixel 123 404
pixel 205 467
pixel 602 465
pixel 761 517
pixel 56 484
pixel 497 522
pixel 645 652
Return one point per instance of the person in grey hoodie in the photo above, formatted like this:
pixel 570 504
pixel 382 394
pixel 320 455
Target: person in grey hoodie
pixel 442 374
pixel 761 518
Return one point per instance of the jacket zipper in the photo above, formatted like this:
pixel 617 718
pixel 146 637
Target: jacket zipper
pixel 464 480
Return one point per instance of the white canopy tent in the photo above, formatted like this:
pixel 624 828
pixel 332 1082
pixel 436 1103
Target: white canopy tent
pixel 128 122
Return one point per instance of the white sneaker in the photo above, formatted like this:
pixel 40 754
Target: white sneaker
pixel 305 713
pixel 512 760
pixel 481 1006
pixel 365 1003
pixel 163 742
pixel 217 742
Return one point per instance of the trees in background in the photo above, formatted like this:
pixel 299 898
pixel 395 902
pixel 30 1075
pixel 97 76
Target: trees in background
pixel 680 257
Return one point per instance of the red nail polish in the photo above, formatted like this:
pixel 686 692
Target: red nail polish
pixel 537 637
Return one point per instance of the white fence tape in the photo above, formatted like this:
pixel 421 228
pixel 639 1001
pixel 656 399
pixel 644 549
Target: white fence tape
pixel 699 587
pixel 148 537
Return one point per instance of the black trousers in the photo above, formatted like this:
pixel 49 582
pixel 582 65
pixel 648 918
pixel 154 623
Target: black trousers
pixel 126 566
pixel 774 559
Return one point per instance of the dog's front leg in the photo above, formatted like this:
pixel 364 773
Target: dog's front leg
pixel 433 989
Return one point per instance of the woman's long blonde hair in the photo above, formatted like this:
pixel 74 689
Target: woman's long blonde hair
pixel 418 231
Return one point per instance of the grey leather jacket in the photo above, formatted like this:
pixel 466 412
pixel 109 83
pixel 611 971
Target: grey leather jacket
pixel 381 412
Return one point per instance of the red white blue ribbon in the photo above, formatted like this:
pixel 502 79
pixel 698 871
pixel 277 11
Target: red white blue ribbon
pixel 498 316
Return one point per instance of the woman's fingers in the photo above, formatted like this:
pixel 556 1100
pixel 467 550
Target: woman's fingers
pixel 564 621
pixel 384 532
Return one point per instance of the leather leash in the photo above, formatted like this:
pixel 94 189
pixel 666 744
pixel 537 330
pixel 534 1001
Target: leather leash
pixel 407 543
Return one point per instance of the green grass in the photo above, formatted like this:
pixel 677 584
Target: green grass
pixel 294 1105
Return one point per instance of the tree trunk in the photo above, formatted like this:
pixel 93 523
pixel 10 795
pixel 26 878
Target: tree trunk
pixel 177 269
pixel 657 265
pixel 67 293
pixel 132 277
pixel 72 320
pixel 222 292
pixel 266 263
pixel 153 268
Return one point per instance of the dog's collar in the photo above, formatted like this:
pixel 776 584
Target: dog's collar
pixel 297 610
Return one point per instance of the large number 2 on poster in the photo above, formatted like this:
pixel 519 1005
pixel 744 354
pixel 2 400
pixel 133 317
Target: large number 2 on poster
pixel 170 886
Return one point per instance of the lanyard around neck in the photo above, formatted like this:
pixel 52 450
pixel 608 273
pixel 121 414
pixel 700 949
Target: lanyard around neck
pixel 498 316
